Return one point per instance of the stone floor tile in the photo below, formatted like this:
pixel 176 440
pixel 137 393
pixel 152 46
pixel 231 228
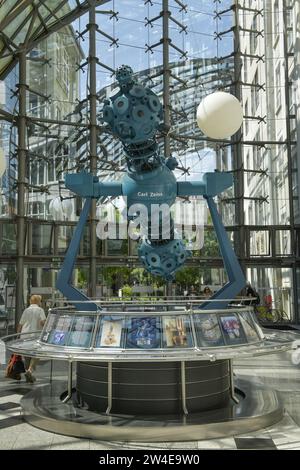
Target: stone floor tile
pixel 224 443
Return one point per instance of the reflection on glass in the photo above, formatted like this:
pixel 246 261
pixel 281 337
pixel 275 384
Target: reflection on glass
pixel 81 333
pixel 176 332
pixel 257 327
pixel 59 335
pixel 208 330
pixel 111 334
pixel 48 326
pixel 248 326
pixel 143 333
pixel 232 329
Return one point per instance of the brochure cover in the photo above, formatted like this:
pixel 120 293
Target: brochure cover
pixel 232 329
pixel 208 330
pixel 111 333
pixel 143 332
pixel 81 333
pixel 177 332
pixel 249 327
pixel 59 335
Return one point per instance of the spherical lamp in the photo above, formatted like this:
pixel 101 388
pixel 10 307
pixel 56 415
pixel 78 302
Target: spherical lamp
pixel 2 163
pixel 219 115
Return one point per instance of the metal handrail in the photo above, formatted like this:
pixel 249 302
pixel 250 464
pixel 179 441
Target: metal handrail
pixel 18 335
pixel 162 300
pixel 129 313
pixel 271 343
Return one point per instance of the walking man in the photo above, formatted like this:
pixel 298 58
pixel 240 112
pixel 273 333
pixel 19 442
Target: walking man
pixel 32 319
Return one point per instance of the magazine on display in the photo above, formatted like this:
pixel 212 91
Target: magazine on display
pixel 176 332
pixel 232 329
pixel 111 334
pixel 81 333
pixel 60 333
pixel 249 327
pixel 143 333
pixel 208 330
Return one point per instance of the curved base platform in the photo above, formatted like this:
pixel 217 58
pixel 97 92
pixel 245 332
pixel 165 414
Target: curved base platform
pixel 143 388
pixel 258 407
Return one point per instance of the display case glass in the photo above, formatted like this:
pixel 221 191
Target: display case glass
pixel 248 325
pixel 177 331
pixel 232 329
pixel 208 330
pixel 59 334
pixel 143 332
pixel 81 332
pixel 110 332
pixel 141 329
pixel 49 327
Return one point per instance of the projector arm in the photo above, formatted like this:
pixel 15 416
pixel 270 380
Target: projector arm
pixel 232 267
pixel 213 184
pixel 64 278
pixel 88 185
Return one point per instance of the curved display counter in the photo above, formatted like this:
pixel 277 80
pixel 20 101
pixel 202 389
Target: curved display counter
pixel 154 362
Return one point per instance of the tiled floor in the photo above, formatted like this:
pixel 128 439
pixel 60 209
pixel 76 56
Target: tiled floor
pixel 276 371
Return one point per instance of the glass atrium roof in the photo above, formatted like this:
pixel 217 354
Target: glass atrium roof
pixel 29 21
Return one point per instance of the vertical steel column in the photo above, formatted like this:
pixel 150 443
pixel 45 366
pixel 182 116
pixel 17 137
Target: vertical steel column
pixel 109 388
pixel 289 153
pixel 166 73
pixel 231 377
pixel 166 92
pixel 240 242
pixel 70 382
pixel 183 389
pixel 21 124
pixel 93 142
pixel 51 371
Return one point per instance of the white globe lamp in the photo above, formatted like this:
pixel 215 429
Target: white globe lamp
pixel 219 115
pixel 2 163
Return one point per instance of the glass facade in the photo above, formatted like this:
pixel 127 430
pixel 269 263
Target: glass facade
pixel 183 54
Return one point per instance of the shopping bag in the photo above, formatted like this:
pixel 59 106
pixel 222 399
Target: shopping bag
pixel 14 367
pixel 18 367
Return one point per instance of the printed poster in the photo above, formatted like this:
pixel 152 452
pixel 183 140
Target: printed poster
pixel 208 330
pixel 176 332
pixel 143 332
pixel 111 333
pixel 232 329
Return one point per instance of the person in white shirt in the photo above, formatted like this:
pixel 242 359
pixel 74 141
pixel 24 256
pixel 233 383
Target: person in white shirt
pixel 32 319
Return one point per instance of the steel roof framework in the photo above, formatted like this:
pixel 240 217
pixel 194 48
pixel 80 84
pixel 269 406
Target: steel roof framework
pixel 24 23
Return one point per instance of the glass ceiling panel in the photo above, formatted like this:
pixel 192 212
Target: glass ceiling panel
pixel 30 21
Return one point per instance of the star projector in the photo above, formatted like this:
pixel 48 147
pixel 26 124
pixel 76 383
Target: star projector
pixel 134 115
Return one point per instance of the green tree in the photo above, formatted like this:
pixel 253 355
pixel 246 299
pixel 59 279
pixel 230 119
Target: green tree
pixel 126 291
